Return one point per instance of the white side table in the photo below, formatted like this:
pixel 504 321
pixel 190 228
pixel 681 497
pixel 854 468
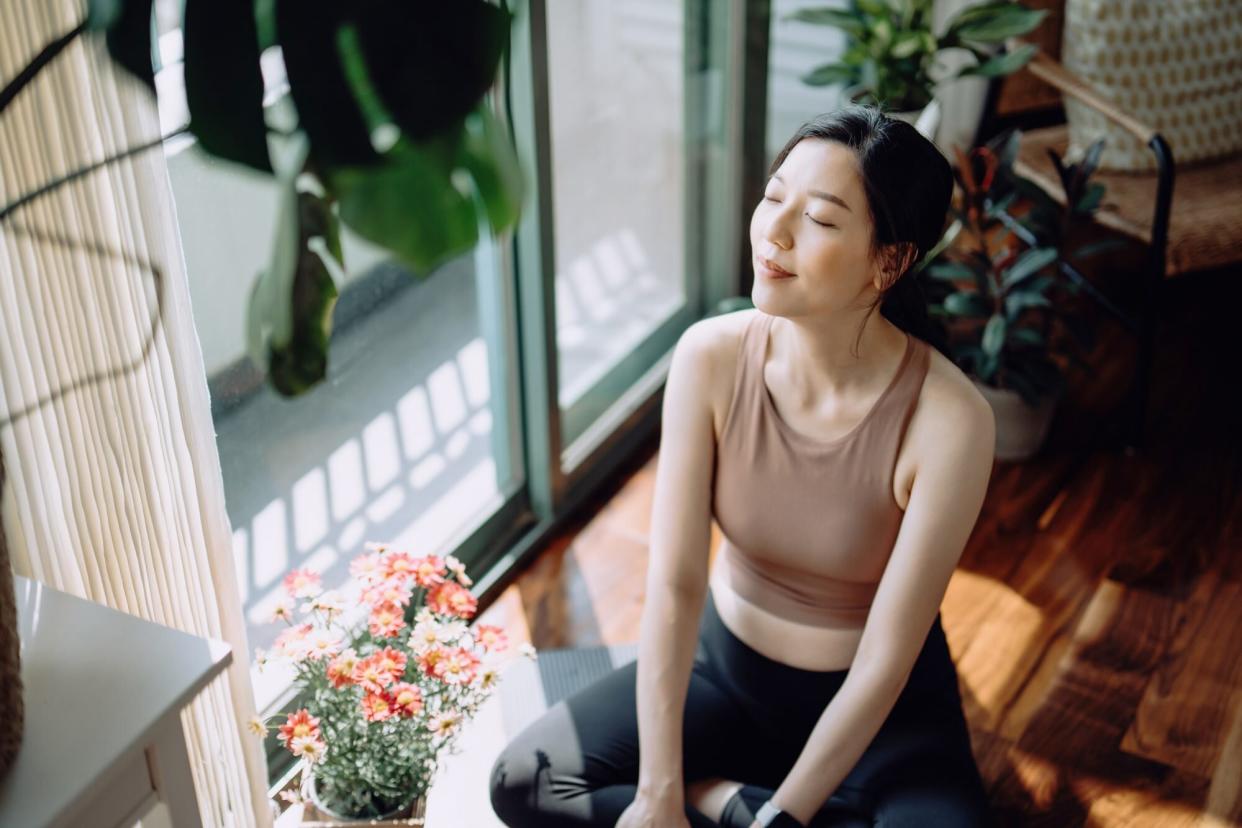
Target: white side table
pixel 103 693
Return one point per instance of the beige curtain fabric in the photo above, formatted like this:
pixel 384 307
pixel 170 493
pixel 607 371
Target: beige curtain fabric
pixel 114 490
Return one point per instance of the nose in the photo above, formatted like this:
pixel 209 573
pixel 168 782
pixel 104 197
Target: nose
pixel 774 228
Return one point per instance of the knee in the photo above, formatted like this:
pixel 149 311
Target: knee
pixel 943 807
pixel 513 779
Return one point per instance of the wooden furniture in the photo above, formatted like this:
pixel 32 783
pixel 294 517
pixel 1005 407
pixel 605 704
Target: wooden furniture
pixel 104 692
pixel 1197 228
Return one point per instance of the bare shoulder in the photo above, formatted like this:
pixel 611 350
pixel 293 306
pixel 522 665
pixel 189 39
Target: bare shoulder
pixel 720 338
pixel 951 411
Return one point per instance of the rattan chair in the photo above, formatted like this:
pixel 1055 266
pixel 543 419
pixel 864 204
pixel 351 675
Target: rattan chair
pixel 1197 227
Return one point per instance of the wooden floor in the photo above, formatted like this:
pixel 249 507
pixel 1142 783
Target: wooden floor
pixel 1096 616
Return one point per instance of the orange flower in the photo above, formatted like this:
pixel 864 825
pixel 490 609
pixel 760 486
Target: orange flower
pixel 386 620
pixel 390 660
pixel 450 598
pixel 299 723
pixel 456 666
pixel 491 637
pixel 341 669
pixel 376 707
pixel 406 698
pixel 371 676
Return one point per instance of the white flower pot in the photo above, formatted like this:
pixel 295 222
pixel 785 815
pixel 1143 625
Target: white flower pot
pixel 1020 428
pixel 925 120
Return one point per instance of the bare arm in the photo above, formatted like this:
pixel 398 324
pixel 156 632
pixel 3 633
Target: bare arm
pixel 677 569
pixel 945 501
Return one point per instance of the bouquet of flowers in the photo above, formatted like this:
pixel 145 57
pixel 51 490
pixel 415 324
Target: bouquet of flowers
pixel 385 683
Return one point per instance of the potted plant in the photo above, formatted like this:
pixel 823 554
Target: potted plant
pixel 891 50
pixel 386 676
pixel 375 117
pixel 996 285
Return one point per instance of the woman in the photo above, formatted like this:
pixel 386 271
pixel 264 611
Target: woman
pixel 846 462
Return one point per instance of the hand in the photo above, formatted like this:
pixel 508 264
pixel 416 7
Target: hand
pixel 647 812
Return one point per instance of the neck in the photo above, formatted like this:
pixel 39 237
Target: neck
pixel 820 358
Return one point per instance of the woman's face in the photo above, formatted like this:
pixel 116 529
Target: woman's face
pixel 813 222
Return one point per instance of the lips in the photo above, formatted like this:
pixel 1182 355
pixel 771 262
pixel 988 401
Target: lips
pixel 773 266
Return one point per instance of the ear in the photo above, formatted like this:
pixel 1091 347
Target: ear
pixel 895 260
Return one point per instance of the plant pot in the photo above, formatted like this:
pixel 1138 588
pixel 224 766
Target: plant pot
pixel 413 813
pixel 925 120
pixel 1020 427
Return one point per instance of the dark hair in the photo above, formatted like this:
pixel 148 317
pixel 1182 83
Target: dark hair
pixel 908 183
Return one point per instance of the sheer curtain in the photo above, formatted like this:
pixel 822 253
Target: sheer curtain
pixel 114 490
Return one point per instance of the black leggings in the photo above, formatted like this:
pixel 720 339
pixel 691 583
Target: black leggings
pixel 747 718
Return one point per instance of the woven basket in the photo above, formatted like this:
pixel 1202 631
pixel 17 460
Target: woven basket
pixel 1175 66
pixel 14 717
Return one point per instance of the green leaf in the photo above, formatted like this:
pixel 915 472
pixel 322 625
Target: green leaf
pixel 1029 263
pixel 432 62
pixel 966 303
pixel 327 108
pixel 1003 64
pixel 842 19
pixel 127 28
pixel 874 8
pixel 993 335
pixel 946 239
pixel 409 204
pixel 1101 246
pixel 488 154
pixel 289 318
pixel 950 271
pixel 1001 23
pixel 223 84
pixel 1015 303
pixel 1026 336
pixel 1090 199
pixel 829 73
pixel 907 43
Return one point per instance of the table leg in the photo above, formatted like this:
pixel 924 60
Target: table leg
pixel 169 761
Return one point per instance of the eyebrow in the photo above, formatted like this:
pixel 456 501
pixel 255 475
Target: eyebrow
pixel 820 194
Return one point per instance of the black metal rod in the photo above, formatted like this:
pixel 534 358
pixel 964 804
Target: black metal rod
pixel 40 60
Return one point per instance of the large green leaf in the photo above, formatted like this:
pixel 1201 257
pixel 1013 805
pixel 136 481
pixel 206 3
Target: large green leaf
pixel 1030 262
pixel 830 73
pixel 906 44
pixel 487 153
pixel 1017 302
pixel 951 271
pixel 966 303
pixel 127 27
pixel 289 318
pixel 1005 63
pixel 993 335
pixel 327 108
pixel 842 19
pixel 223 84
pixel 409 204
pixel 1009 20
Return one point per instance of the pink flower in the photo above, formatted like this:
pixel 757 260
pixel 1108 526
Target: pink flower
pixel 429 571
pixel 310 747
pixel 366 569
pixel 291 643
pixel 376 707
pixel 458 569
pixel 299 724
pixel 391 661
pixel 491 637
pixel 388 591
pixel 386 620
pixel 428 659
pixel 406 698
pixel 456 666
pixel 302 583
pixel 449 598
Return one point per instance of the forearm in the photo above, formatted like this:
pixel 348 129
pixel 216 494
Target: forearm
pixel 840 737
pixel 667 637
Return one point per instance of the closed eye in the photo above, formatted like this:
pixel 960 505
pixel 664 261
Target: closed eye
pixel 808 215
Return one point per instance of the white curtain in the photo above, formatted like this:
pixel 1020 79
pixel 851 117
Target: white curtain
pixel 114 489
